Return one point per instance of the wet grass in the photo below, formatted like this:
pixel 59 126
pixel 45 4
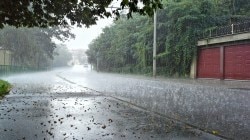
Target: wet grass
pixel 4 88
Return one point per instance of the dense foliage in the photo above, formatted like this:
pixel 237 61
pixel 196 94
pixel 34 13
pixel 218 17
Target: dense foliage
pixel 44 13
pixel 32 47
pixel 126 46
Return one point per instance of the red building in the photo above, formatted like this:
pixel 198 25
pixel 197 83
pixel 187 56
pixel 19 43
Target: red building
pixel 224 57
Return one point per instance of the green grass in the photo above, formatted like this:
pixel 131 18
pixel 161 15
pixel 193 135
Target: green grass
pixel 4 88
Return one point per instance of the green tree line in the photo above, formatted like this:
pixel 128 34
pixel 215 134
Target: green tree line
pixel 32 47
pixel 127 45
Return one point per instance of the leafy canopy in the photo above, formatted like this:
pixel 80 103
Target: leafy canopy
pixel 127 45
pixel 44 13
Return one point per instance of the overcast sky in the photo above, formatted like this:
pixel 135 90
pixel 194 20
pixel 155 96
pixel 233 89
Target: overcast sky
pixel 83 36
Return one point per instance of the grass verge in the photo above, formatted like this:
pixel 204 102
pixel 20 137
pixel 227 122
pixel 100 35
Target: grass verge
pixel 4 88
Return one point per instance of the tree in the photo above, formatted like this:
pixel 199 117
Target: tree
pixel 31 47
pixel 44 13
pixel 126 46
pixel 62 56
pixel 122 52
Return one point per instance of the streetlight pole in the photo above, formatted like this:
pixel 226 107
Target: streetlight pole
pixel 154 47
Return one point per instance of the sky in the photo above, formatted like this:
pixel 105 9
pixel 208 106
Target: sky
pixel 83 35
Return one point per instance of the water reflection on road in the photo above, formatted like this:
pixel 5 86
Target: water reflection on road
pixel 59 105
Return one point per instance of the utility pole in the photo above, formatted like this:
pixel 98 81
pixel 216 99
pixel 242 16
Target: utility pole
pixel 154 47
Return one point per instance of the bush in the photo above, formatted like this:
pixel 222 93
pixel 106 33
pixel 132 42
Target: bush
pixel 4 88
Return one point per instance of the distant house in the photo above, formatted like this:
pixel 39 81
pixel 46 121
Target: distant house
pixel 5 56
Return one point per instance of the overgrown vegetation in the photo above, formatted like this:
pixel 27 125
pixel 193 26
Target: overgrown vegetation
pixel 126 46
pixel 4 88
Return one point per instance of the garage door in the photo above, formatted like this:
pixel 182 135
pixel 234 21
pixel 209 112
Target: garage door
pixel 237 62
pixel 209 63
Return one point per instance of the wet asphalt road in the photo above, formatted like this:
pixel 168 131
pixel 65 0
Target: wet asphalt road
pixel 214 105
pixel 46 106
